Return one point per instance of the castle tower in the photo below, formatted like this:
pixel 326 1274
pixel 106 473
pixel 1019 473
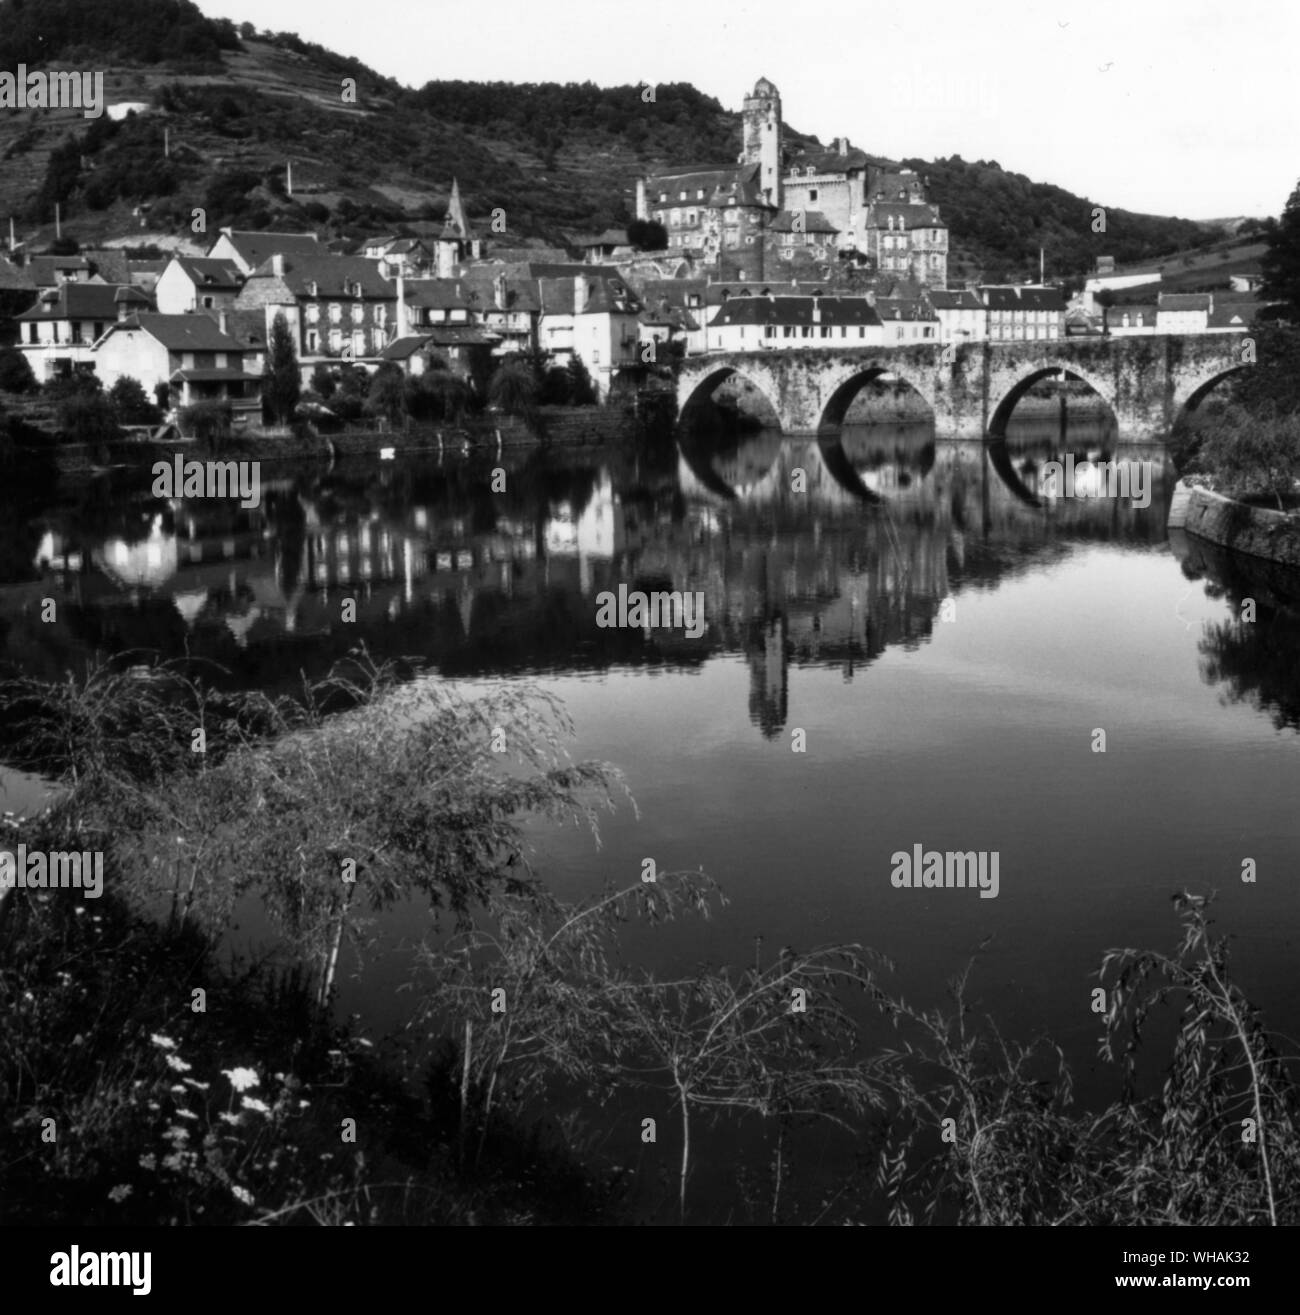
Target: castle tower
pixel 761 117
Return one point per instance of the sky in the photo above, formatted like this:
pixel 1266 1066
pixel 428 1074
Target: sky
pixel 1183 107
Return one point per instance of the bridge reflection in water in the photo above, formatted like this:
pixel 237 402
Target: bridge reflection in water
pixel 807 551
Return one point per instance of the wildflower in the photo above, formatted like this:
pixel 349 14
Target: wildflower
pixel 164 1041
pixel 252 1103
pixel 186 1114
pixel 198 1086
pixel 241 1078
pixel 175 1161
pixel 176 1063
pixel 241 1194
pixel 175 1088
pixel 120 1193
pixel 228 1118
pixel 148 1162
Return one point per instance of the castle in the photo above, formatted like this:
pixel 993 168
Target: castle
pixel 774 214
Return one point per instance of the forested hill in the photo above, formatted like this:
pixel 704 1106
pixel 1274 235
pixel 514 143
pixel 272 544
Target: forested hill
pixel 239 103
pixel 1000 220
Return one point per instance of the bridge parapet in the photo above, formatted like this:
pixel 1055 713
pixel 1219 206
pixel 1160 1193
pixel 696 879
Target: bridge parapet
pixel 972 389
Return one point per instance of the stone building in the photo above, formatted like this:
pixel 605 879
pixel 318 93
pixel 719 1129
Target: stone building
pixel 750 216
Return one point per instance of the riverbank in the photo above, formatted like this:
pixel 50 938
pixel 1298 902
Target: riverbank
pixel 1238 526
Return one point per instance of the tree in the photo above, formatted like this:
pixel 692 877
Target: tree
pixel 1281 262
pixel 647 235
pixel 282 384
pixel 15 373
pixel 581 390
pixel 323 383
pixel 132 403
pixel 513 390
pixel 210 422
pixel 388 393
pixel 87 417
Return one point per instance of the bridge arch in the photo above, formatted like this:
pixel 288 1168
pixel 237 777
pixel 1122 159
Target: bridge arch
pixel 704 384
pixel 1189 396
pixel 1000 412
pixel 845 391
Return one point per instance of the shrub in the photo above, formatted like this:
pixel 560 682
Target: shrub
pixel 15 373
pixel 132 403
pixel 209 422
pixel 1252 455
pixel 88 417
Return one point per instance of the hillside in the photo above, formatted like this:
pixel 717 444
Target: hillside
pixel 238 104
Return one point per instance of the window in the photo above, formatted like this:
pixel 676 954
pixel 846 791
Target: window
pixel 336 312
pixel 812 193
pixel 681 196
pixel 99 329
pixel 207 303
pixel 313 314
pixel 862 333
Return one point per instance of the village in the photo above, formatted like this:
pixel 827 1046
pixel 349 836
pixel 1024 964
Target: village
pixel 781 250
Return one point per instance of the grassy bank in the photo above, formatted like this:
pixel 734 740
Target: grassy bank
pixel 528 1026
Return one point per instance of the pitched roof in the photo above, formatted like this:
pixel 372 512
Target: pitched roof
pixel 606 294
pixel 796 311
pixel 184 333
pixel 1184 301
pixel 208 273
pixel 84 301
pixel 257 247
pixel 1022 298
pixel 330 276
pixel 912 215
pixel 825 162
pixel 611 237
pixel 725 185
pixel 905 308
pixel 953 299
pixel 43 268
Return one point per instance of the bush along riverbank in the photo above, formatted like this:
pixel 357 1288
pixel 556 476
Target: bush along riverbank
pixel 1240 457
pixel 147 1078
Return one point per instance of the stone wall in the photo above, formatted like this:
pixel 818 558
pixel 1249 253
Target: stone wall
pixel 1259 531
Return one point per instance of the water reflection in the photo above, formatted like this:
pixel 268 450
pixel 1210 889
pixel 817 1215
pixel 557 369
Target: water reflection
pixel 819 552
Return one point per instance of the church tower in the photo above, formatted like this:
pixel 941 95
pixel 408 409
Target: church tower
pixel 762 138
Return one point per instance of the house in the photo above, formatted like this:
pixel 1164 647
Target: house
pixel 192 354
pixel 963 317
pixel 492 301
pixel 795 230
pixel 592 316
pixel 907 320
pixel 1130 319
pixel 837 183
pixel 58 333
pixel 189 284
pixel 1183 312
pixel 904 234
pixel 408 257
pixel 466 349
pixel 610 245
pixel 54 271
pixel 1019 313
pixel 773 322
pixel 1234 316
pixel 249 250
pixel 661 325
pixel 334 305
pixel 1079 324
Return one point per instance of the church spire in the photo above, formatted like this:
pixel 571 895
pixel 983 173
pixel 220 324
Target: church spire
pixel 456 221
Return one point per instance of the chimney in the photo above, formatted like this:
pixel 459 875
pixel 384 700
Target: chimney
pixel 401 305
pixel 223 321
pixel 579 294
pixel 499 291
pixel 277 264
pixel 123 311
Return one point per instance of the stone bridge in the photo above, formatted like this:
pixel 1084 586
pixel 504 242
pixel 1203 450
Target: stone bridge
pixel 1148 381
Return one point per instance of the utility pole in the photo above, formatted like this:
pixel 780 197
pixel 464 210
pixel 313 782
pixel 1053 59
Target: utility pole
pixel 167 142
pixel 58 221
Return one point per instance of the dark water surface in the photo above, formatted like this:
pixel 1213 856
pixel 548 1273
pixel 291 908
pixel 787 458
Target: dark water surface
pixel 823 615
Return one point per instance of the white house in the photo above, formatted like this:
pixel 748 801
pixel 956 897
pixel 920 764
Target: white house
pixel 963 317
pixel 58 334
pixel 188 284
pixel 767 322
pixel 1184 312
pixel 592 316
pixel 907 321
pixel 190 353
pixel 249 250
